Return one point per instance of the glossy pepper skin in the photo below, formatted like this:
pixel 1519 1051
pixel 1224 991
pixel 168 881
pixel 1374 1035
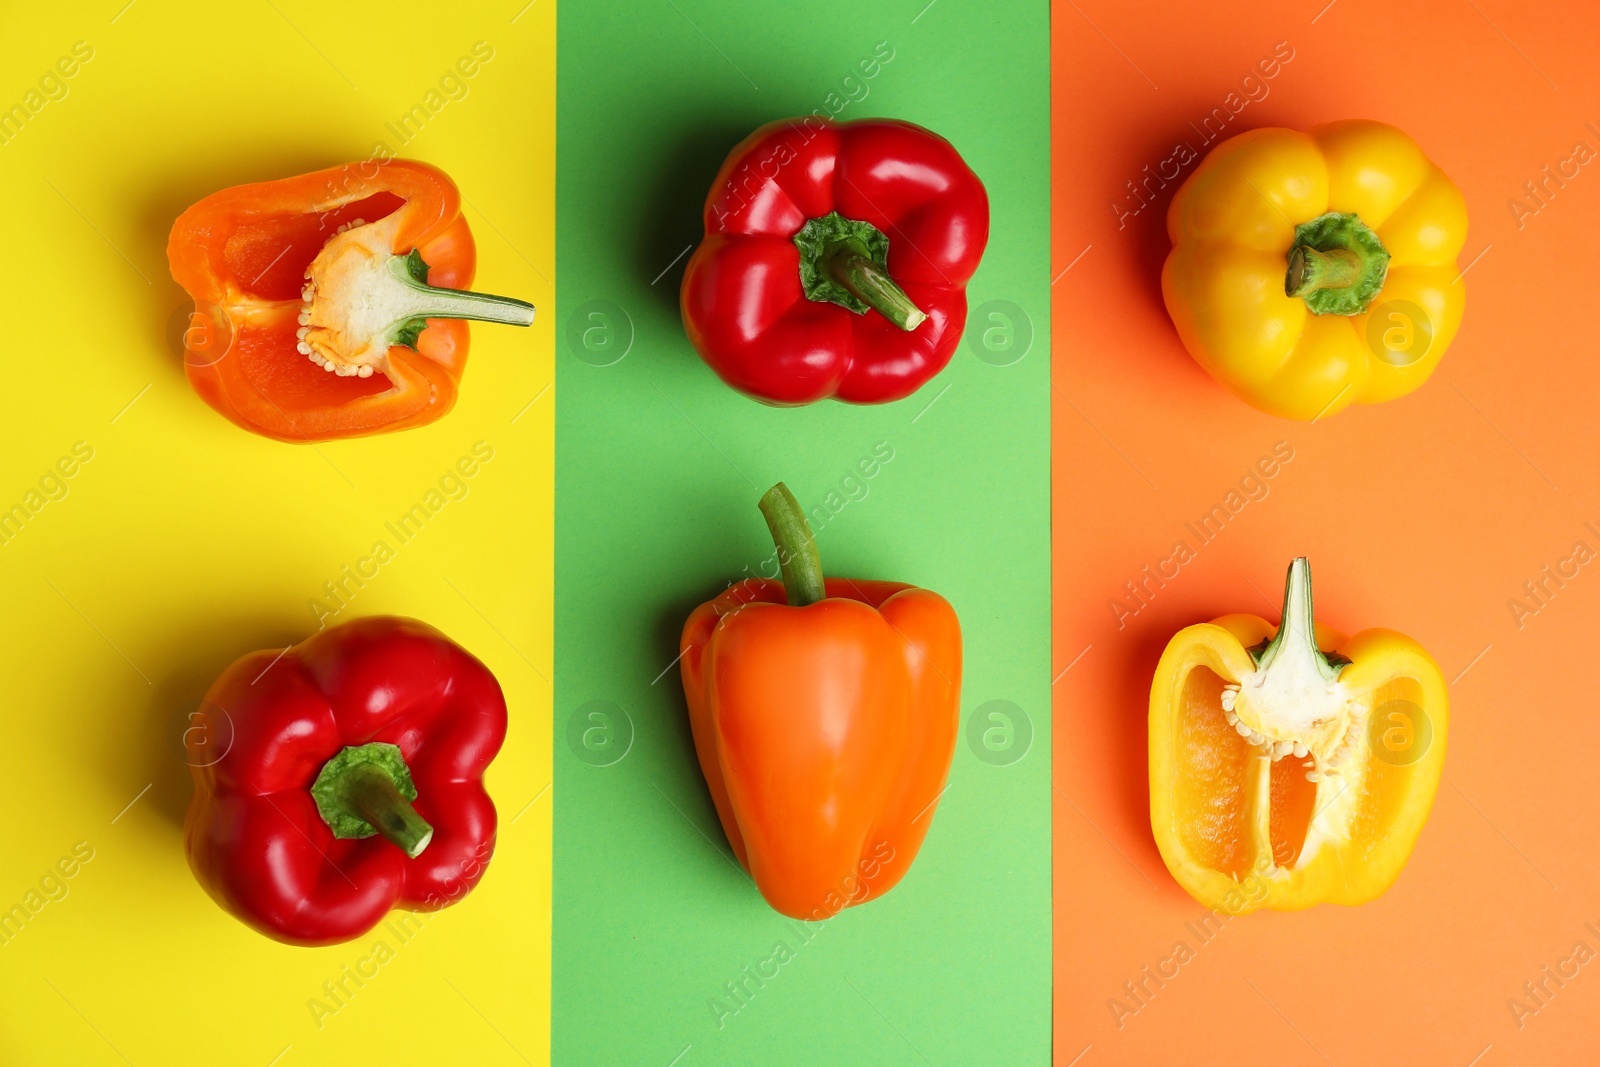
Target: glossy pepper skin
pixel 809 182
pixel 825 731
pixel 256 838
pixel 269 263
pixel 1282 775
pixel 1377 301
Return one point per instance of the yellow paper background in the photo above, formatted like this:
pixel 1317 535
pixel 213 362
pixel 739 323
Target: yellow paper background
pixel 185 542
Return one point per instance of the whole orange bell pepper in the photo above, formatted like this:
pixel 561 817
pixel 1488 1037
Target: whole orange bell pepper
pixel 331 304
pixel 824 716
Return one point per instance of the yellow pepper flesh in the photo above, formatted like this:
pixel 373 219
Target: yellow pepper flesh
pixel 1241 828
pixel 1233 224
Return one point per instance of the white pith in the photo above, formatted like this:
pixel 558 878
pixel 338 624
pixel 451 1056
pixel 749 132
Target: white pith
pixel 1291 707
pixel 352 301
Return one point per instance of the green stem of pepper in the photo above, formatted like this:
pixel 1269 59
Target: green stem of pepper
pixel 368 792
pixel 853 268
pixel 1297 629
pixel 1337 265
pixel 367 789
pixel 846 262
pixel 1310 270
pixel 797 549
pixel 431 302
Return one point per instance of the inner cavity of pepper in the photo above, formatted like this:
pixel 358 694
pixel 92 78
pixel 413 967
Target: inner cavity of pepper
pixel 1225 778
pixel 270 255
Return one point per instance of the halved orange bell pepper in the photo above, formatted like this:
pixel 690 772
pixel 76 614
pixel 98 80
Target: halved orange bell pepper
pixel 824 726
pixel 330 304
pixel 1282 775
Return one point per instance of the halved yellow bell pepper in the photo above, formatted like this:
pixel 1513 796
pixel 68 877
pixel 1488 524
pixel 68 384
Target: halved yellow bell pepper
pixel 1312 271
pixel 1283 776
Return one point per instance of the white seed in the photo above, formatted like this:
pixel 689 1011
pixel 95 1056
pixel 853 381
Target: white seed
pixel 1313 776
pixel 1243 730
pixel 1300 748
pixel 1282 748
pixel 305 318
pixel 366 372
pixel 1231 717
pixel 358 222
pixel 327 364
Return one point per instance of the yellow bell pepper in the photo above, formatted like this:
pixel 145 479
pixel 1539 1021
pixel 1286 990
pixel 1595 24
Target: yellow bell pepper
pixel 1283 776
pixel 1312 271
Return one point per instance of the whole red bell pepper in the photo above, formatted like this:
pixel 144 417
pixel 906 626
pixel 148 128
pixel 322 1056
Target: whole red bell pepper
pixel 835 261
pixel 330 305
pixel 342 778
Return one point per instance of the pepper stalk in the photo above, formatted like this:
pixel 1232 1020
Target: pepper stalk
pixel 797 548
pixel 846 262
pixel 1336 264
pixel 367 790
pixel 1293 702
pixel 360 299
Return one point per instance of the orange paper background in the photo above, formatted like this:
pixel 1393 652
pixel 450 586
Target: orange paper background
pixel 1425 515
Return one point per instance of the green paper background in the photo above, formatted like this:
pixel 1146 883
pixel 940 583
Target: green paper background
pixel 659 467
